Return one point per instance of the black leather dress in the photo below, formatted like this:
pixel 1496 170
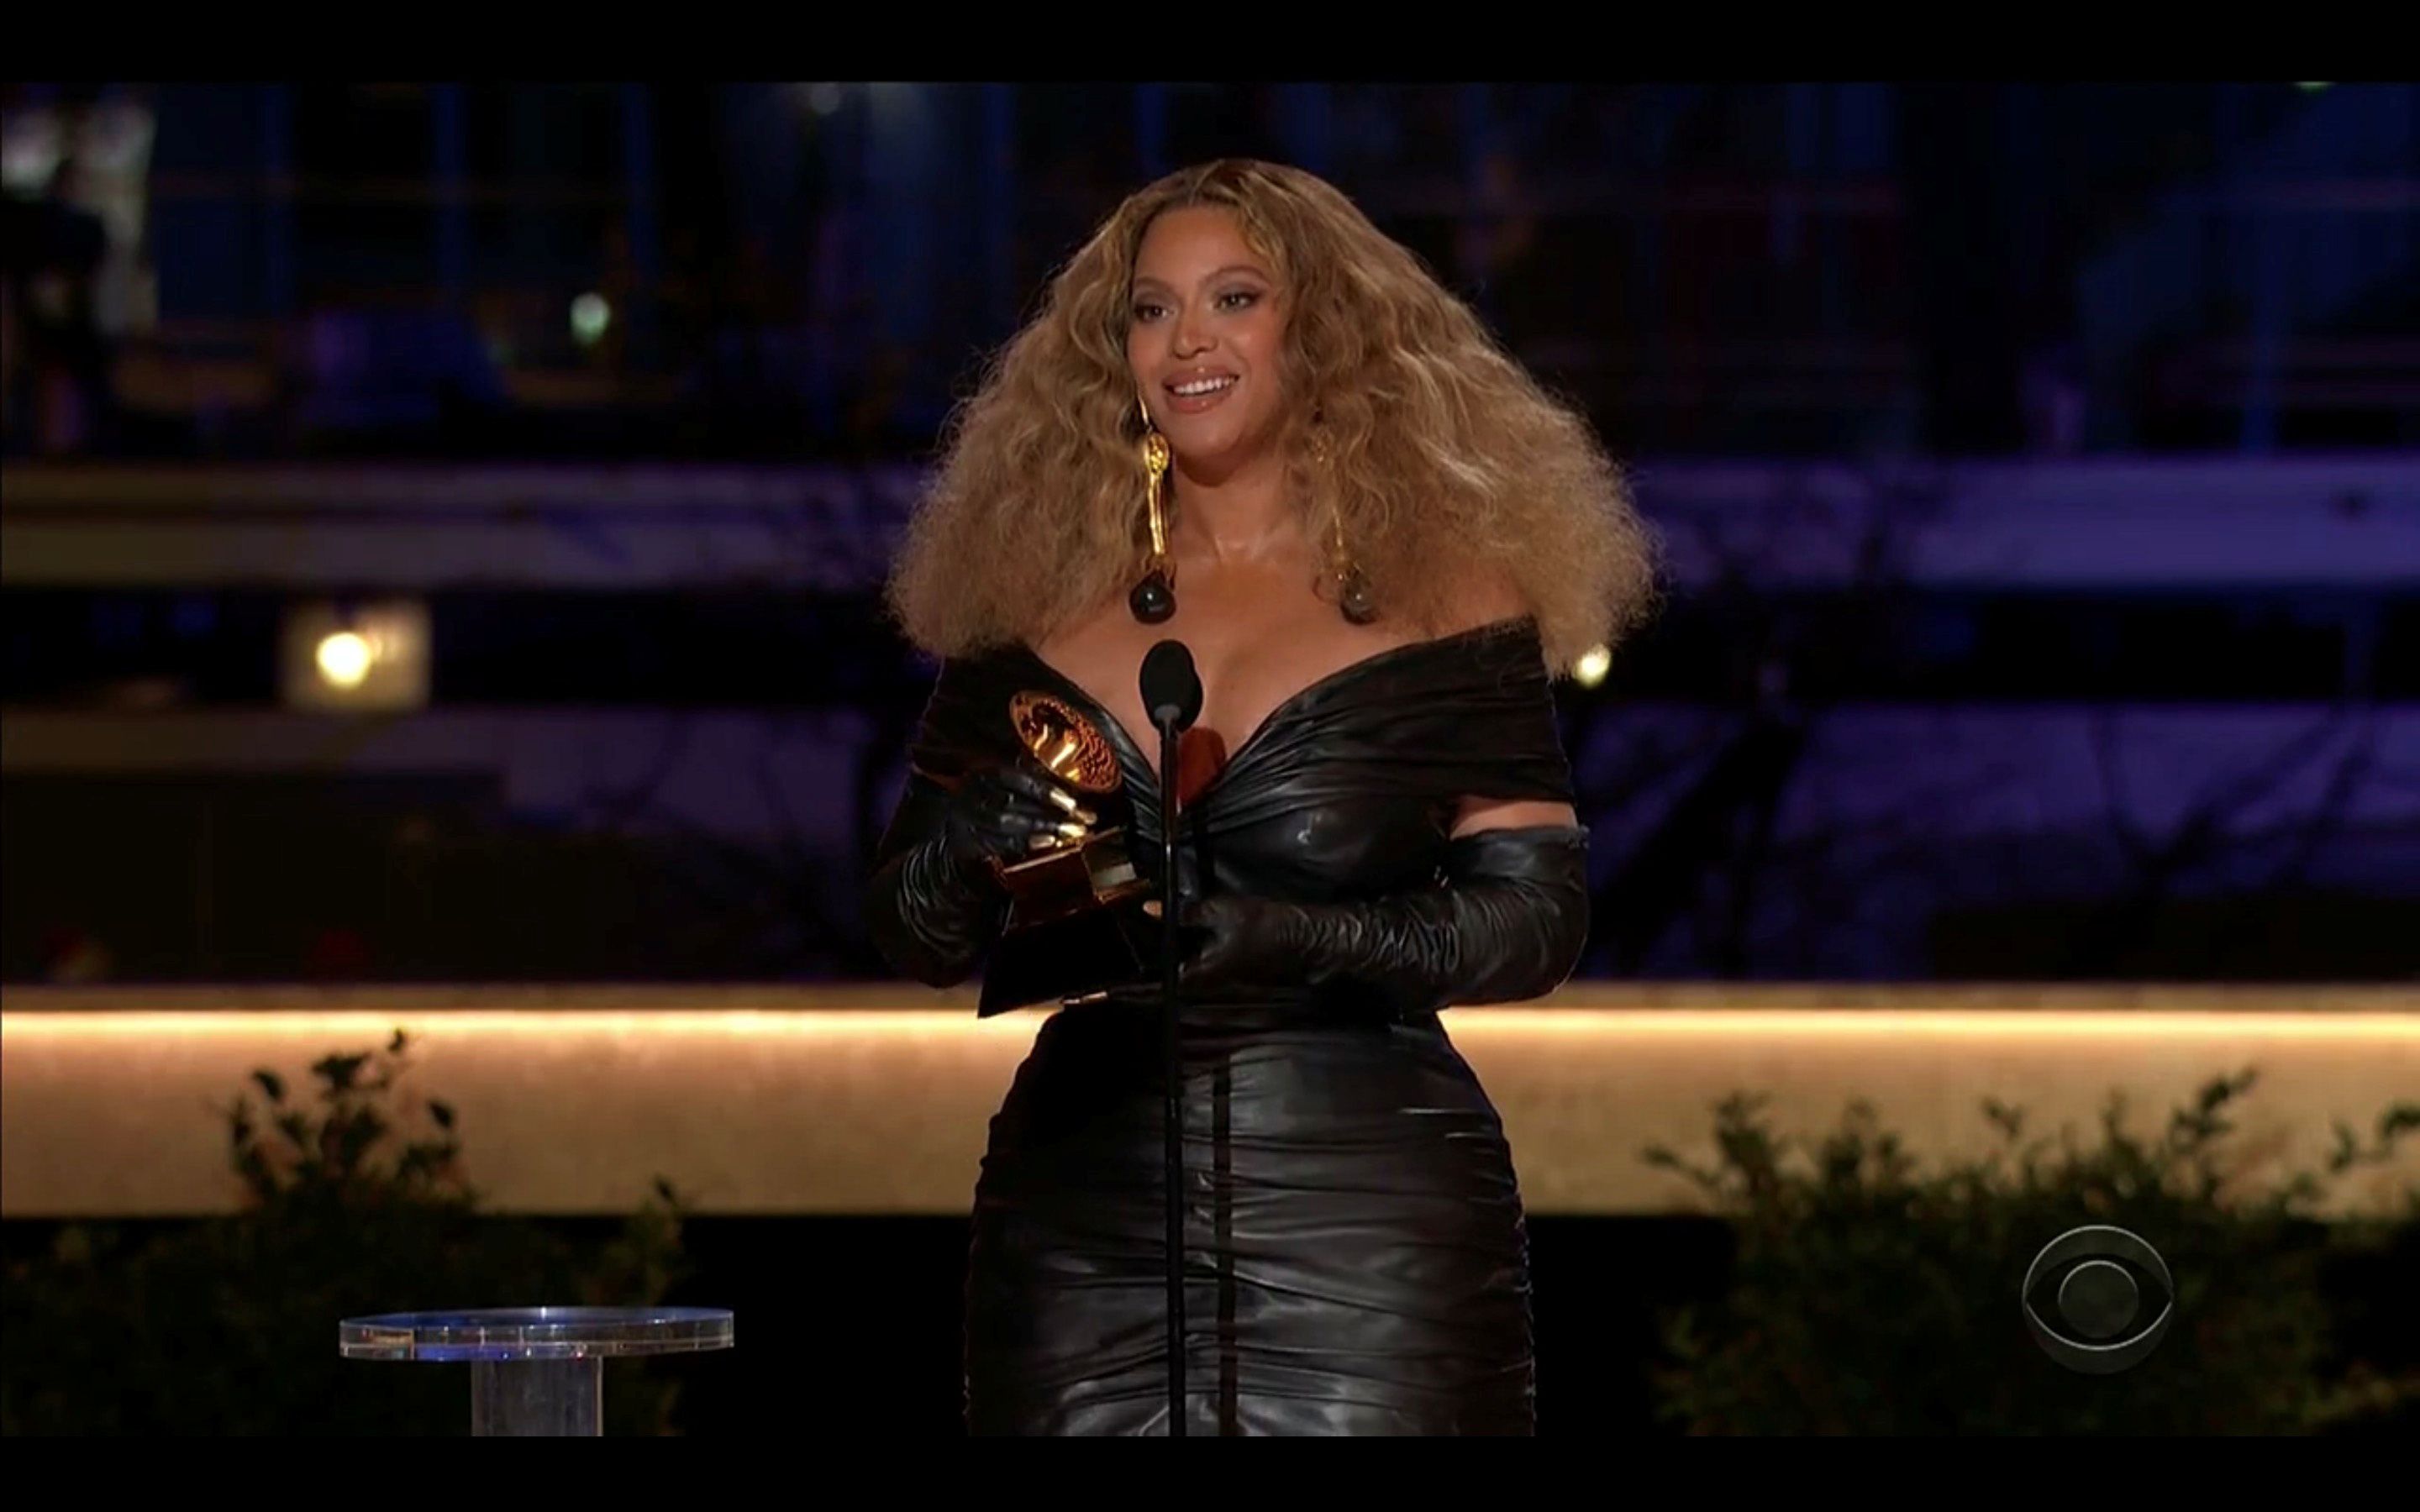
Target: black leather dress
pixel 1354 1247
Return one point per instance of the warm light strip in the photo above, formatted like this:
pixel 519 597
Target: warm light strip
pixel 352 1024
pixel 877 1099
pixel 913 1023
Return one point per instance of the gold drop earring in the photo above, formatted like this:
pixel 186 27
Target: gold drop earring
pixel 1352 597
pixel 1153 599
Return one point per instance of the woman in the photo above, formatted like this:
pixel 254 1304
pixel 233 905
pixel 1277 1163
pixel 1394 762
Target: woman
pixel 1379 538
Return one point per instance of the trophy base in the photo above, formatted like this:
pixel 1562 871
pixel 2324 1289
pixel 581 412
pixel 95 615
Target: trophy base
pixel 1071 958
pixel 1094 874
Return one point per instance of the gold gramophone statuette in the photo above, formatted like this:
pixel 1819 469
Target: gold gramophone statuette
pixel 1069 747
pixel 1079 869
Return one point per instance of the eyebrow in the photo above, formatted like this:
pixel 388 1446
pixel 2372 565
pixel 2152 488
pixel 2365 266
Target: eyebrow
pixel 1232 267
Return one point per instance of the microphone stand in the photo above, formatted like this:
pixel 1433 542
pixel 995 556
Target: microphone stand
pixel 1167 719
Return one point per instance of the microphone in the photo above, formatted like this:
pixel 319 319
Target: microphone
pixel 1171 689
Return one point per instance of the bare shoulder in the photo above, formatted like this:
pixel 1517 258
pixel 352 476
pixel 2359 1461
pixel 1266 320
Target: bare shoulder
pixel 1488 595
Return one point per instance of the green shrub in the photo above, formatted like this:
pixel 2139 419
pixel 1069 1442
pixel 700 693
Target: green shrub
pixel 356 1204
pixel 1868 1299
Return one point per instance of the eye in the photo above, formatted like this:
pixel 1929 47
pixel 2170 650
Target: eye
pixel 1145 309
pixel 1241 298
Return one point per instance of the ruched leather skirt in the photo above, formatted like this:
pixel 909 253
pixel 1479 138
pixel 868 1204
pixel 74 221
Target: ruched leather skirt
pixel 1356 1260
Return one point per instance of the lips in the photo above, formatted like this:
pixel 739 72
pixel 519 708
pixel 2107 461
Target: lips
pixel 1197 392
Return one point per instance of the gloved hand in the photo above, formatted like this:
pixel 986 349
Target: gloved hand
pixel 1004 814
pixel 1509 922
pixel 935 900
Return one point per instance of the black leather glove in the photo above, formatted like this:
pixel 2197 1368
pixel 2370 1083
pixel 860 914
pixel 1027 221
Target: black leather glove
pixel 1509 922
pixel 934 901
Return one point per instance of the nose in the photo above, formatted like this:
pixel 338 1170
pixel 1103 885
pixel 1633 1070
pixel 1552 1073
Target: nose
pixel 1187 336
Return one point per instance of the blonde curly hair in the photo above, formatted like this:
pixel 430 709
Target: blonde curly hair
pixel 1446 463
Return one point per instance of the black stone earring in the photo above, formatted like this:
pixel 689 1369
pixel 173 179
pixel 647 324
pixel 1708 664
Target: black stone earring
pixel 1153 599
pixel 1352 597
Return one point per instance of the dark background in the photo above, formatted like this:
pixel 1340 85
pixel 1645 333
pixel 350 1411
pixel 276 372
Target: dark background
pixel 1849 338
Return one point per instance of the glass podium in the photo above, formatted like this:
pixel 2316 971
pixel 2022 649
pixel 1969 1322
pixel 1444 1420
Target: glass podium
pixel 535 1372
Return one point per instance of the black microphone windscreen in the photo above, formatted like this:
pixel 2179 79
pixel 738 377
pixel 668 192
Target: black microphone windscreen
pixel 1171 689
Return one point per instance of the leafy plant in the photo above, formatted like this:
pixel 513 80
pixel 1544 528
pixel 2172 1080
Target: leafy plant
pixel 356 1203
pixel 1872 1299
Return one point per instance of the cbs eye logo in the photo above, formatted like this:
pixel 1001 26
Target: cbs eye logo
pixel 2085 1300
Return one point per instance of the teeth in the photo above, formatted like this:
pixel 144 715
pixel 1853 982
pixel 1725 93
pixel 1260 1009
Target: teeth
pixel 1195 391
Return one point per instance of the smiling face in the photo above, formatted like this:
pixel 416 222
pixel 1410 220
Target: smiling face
pixel 1206 339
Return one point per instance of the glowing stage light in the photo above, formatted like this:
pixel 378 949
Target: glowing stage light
pixel 1594 664
pixel 344 658
pixel 590 315
pixel 357 657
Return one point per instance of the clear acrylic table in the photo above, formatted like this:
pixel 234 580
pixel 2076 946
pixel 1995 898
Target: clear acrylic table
pixel 535 1372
